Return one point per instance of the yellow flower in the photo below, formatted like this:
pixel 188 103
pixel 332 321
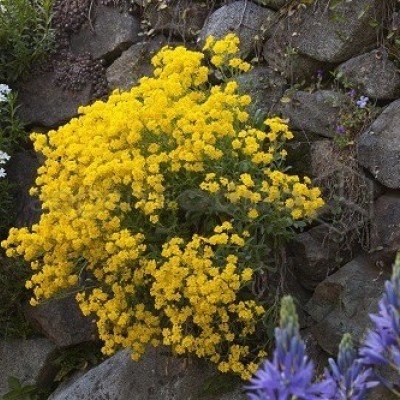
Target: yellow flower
pixel 253 213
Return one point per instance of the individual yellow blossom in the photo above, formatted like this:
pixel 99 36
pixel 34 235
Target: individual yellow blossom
pixel 253 213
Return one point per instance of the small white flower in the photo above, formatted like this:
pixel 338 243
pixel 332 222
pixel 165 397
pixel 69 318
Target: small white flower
pixel 5 90
pixel 3 8
pixel 4 157
pixel 2 173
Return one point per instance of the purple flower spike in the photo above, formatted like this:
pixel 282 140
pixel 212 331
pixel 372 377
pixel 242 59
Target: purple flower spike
pixel 362 102
pixel 351 378
pixel 320 73
pixel 290 375
pixel 382 345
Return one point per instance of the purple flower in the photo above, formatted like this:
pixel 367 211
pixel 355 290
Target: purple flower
pixel 340 129
pixel 362 101
pixel 320 73
pixel 351 378
pixel 382 344
pixel 290 374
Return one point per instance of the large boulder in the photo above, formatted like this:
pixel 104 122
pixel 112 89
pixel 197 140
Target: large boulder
pixel 156 376
pixel 343 301
pixel 334 33
pixel 265 88
pixel 62 322
pixel 133 64
pixel 252 23
pixel 316 112
pixel 183 18
pixel 379 147
pixel 29 361
pixel 22 171
pixel 374 74
pixel 44 103
pixel 106 34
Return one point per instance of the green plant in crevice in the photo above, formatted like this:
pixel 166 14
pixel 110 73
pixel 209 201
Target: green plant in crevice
pixel 19 391
pixel 25 36
pixel 76 359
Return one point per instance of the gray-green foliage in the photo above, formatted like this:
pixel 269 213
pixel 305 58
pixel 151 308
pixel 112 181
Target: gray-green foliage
pixel 25 36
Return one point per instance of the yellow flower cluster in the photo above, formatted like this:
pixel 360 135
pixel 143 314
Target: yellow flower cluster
pixel 195 290
pixel 267 187
pixel 114 228
pixel 224 53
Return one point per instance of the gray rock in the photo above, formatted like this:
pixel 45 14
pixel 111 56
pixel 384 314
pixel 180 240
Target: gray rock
pixel 313 112
pixel 249 21
pixel 183 18
pixel 275 4
pixel 280 55
pixel 107 33
pixel 385 227
pixel 265 88
pixel 342 302
pixel 30 361
pixel 315 255
pixel 336 33
pixel 156 376
pixel 133 64
pixel 379 147
pixel 44 103
pixel 22 171
pixel 62 322
pixel 373 74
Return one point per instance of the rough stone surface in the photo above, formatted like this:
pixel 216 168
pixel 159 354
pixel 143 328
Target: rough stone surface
pixel 379 147
pixel 44 103
pixel 265 88
pixel 279 54
pixel 334 34
pixel 108 33
pixel 183 18
pixel 30 361
pixel 342 302
pixel 385 227
pixel 373 74
pixel 313 112
pixel 155 377
pixel 133 64
pixel 248 20
pixel 22 171
pixel 315 254
pixel 62 322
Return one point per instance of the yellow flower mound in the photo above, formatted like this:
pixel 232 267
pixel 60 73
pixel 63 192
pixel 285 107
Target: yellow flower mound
pixel 115 226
